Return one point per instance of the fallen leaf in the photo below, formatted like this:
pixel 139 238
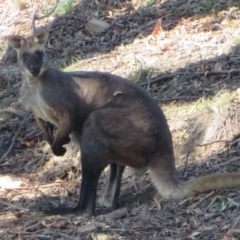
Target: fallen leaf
pixel 97 25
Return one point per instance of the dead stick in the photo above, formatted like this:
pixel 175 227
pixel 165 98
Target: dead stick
pixel 117 214
pixel 227 162
pixel 13 111
pixel 41 186
pixel 217 141
pixel 237 70
pixel 91 227
pixel 232 230
pixel 12 205
pixel 175 98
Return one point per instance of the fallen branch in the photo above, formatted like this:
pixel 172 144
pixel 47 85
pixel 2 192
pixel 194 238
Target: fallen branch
pixel 12 205
pixel 91 227
pixel 202 200
pixel 236 70
pixel 227 162
pixel 175 98
pixel 6 93
pixel 120 213
pixel 60 184
pixel 13 111
pixel 52 235
pixel 233 230
pixel 217 141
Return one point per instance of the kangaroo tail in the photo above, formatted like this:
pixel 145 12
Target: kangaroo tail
pixel 166 181
pixel 211 182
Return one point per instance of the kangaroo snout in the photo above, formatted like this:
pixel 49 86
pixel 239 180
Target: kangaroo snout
pixel 34 70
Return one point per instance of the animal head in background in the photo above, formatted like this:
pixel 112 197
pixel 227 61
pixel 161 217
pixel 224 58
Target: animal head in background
pixel 31 54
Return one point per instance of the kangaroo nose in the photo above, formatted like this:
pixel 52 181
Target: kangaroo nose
pixel 34 69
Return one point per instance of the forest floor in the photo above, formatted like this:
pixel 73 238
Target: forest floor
pixel 186 55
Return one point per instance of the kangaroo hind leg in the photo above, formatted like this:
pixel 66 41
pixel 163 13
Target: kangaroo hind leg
pixel 111 195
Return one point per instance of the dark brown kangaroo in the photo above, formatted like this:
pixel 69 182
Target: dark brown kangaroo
pixel 114 121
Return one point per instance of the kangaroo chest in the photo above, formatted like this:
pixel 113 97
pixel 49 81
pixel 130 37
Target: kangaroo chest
pixel 32 100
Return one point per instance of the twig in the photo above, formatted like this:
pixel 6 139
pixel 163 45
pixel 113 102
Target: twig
pixel 120 213
pixel 12 205
pixel 91 227
pixel 65 236
pixel 6 93
pixel 27 166
pixel 12 163
pixel 31 227
pixel 13 111
pixel 233 230
pixel 50 185
pixel 175 98
pixel 56 233
pixel 227 162
pixel 186 162
pixel 217 141
pixel 139 73
pixel 157 204
pixel 35 17
pixel 35 132
pixel 14 139
pixel 236 70
pixel 202 200
pixel 48 235
pixel 148 80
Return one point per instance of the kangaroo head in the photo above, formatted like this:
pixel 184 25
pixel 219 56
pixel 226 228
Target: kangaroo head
pixel 31 54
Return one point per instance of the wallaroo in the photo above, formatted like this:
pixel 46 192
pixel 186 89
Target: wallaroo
pixel 115 123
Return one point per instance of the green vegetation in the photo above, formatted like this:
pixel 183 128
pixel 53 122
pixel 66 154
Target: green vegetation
pixel 209 6
pixel 65 7
pixel 139 74
pixel 223 203
pixel 177 11
pixel 62 8
pixel 147 3
pixel 219 102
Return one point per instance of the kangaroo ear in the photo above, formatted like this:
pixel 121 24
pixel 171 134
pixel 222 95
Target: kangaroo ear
pixel 40 37
pixel 16 41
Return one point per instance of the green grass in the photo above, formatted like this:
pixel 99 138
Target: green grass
pixel 66 63
pixel 147 3
pixel 177 11
pixel 139 74
pixel 217 103
pixel 209 6
pixel 64 6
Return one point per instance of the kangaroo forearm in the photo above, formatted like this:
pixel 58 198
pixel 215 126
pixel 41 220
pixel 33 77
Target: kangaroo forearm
pixel 61 138
pixel 47 129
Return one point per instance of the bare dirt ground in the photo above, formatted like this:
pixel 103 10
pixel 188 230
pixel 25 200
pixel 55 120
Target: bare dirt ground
pixel 186 55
